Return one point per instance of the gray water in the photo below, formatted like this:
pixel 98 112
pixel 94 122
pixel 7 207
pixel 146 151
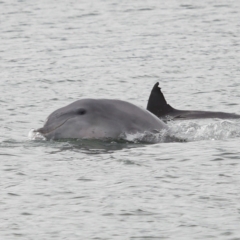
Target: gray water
pixel 55 52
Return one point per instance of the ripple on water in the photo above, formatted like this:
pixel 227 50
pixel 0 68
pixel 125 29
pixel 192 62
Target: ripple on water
pixel 55 52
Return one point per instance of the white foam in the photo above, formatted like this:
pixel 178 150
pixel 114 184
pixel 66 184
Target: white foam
pixel 206 130
pixel 33 135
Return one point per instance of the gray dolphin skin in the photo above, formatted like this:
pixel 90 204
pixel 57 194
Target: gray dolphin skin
pixel 99 119
pixel 160 108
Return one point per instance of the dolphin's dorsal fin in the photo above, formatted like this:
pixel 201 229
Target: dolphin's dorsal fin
pixel 157 103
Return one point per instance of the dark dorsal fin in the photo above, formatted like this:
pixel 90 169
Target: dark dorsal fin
pixel 157 103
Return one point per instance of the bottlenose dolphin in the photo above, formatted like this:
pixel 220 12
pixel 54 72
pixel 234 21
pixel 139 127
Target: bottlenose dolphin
pixel 99 119
pixel 160 108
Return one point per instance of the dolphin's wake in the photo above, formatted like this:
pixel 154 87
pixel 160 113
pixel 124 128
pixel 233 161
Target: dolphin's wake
pixel 206 130
pixel 187 131
pixel 163 136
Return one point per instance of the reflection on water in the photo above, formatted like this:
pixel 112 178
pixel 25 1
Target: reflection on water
pixel 95 146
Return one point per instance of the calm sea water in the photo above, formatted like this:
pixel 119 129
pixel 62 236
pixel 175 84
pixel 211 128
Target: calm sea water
pixel 55 52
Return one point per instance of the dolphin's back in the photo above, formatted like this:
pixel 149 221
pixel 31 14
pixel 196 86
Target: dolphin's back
pixel 125 114
pixel 158 105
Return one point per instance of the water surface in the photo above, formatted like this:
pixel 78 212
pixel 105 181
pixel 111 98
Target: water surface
pixel 55 52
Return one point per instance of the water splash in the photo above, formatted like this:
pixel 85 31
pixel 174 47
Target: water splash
pixel 33 135
pixel 179 132
pixel 195 131
pixel 156 137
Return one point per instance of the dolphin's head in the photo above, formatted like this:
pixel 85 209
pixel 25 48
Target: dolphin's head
pixel 99 119
pixel 84 118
